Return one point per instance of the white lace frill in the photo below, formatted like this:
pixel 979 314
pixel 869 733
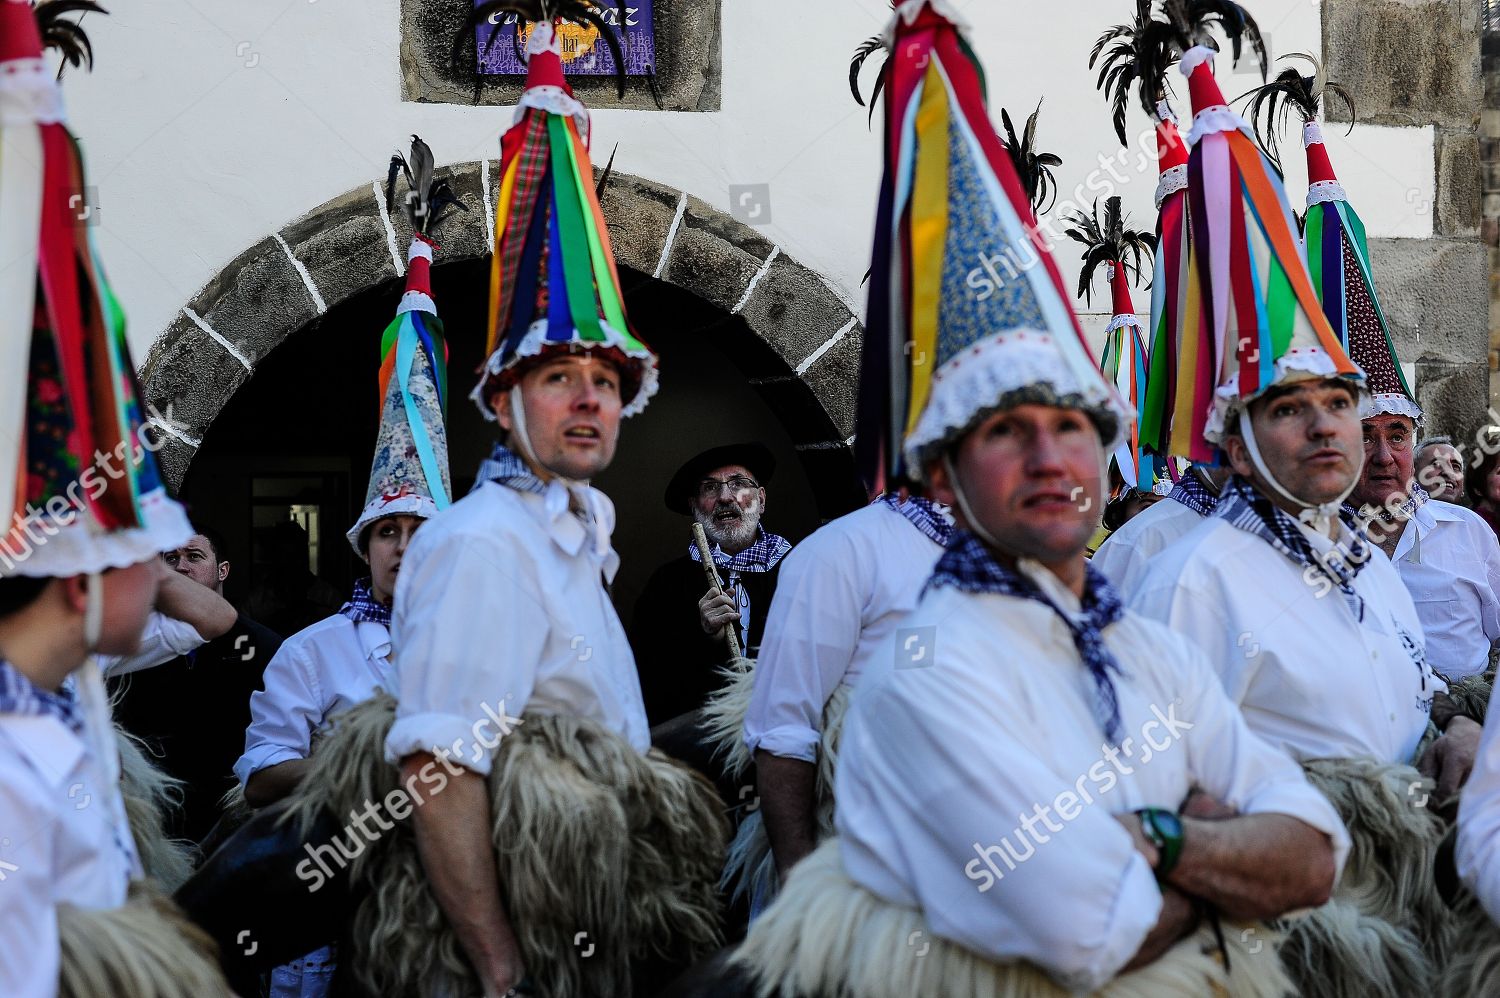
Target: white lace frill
pixel 1126 319
pixel 379 508
pixel 1312 134
pixel 1195 57
pixel 1172 180
pixel 556 101
pixel 1214 120
pixel 1297 364
pixel 1012 363
pixel 29 94
pixel 909 9
pixel 1325 190
pixel 1389 404
pixel 54 549
pixel 535 343
pixel 1164 112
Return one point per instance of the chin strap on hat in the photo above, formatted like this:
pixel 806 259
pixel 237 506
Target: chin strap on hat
pixel 578 489
pixel 1318 516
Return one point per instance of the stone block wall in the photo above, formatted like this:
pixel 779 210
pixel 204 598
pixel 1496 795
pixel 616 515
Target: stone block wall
pixel 1417 63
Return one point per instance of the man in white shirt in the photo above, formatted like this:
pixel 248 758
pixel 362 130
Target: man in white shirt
pixel 1267 589
pixel 843 590
pixel 1446 554
pixel 1125 554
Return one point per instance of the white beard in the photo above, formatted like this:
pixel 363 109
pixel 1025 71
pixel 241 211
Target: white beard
pixel 732 535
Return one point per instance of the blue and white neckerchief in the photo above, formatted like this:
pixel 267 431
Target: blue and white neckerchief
pixel 970 566
pixel 363 607
pixel 19 695
pixel 1194 495
pixel 1242 506
pixel 506 468
pixel 761 556
pixel 931 518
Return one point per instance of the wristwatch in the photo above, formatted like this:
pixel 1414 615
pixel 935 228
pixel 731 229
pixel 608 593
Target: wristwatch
pixel 1163 829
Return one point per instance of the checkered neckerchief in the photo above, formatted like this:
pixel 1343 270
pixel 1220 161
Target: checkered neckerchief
pixel 1194 495
pixel 969 566
pixel 363 607
pixel 505 468
pixel 924 514
pixel 19 695
pixel 761 556
pixel 1243 507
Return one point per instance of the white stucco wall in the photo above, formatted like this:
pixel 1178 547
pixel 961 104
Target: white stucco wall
pixel 210 124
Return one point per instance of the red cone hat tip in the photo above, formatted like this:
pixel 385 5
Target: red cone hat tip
pixel 1319 166
pixel 19 37
pixel 1198 67
pixel 1171 148
pixel 1119 285
pixel 544 59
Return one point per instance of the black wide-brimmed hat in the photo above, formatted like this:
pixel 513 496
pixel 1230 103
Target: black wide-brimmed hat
pixel 755 458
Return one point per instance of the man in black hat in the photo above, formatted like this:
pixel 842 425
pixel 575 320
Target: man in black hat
pixel 678 630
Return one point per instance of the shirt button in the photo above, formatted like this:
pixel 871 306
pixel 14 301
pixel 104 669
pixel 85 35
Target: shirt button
pixel 1374 654
pixel 1393 717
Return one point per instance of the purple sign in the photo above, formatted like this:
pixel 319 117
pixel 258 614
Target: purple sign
pixel 584 50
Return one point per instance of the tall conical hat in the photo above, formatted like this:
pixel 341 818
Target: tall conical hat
pixel 79 485
pixel 1263 322
pixel 1138 55
pixel 1338 254
pixel 410 472
pixel 967 311
pixel 1109 242
pixel 554 288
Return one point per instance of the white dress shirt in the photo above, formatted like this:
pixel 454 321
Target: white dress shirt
pixel 320 671
pixel 501 607
pixel 1309 677
pixel 1126 554
pixel 841 593
pixel 163 639
pixel 943 760
pixel 63 838
pixel 1478 851
pixel 1450 561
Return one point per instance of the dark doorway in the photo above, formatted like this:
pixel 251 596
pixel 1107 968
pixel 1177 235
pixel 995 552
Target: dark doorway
pixel 295 442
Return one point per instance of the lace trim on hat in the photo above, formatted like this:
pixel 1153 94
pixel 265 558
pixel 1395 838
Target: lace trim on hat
pixel 1325 190
pixel 1308 362
pixel 1389 404
pixel 1019 367
pixel 51 550
pixel 535 343
pixel 1172 181
pixel 29 94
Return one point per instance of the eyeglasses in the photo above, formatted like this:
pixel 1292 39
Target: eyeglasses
pixel 710 488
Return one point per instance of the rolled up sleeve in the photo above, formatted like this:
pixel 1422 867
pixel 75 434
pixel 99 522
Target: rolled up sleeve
pixel 283 716
pixel 929 819
pixel 811 637
pixel 163 639
pixel 468 632
pixel 1234 765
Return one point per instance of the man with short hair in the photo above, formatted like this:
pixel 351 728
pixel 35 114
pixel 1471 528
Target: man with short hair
pixel 678 629
pixel 187 693
pixel 501 607
pixel 1439 468
pixel 1019 678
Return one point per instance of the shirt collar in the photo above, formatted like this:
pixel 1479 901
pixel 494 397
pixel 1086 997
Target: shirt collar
pixel 374 639
pixel 552 502
pixel 761 556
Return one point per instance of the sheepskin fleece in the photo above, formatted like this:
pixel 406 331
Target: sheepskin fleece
pixel 1387 928
pixel 827 937
pixel 751 868
pixel 146 949
pixel 148 794
pixel 590 836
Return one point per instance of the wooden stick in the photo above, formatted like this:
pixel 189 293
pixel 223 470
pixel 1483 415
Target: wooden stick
pixel 711 573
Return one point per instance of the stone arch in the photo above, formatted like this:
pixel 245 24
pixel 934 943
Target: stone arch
pixel 804 361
